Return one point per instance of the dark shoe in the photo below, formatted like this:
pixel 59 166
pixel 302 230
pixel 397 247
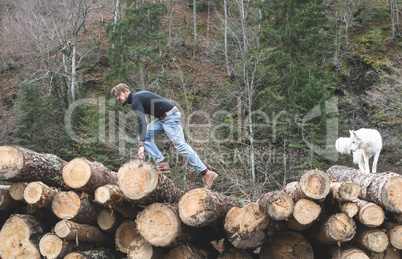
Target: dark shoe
pixel 163 167
pixel 209 179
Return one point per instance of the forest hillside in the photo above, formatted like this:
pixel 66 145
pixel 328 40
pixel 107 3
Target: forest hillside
pixel 264 87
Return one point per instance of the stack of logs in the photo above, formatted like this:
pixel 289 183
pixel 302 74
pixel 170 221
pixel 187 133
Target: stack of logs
pixel 50 208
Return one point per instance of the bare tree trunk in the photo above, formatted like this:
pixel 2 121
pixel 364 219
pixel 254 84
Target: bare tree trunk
pixel 208 23
pixel 116 16
pixel 195 26
pixel 169 45
pixel 226 38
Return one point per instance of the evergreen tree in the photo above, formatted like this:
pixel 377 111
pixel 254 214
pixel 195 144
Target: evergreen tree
pixel 136 37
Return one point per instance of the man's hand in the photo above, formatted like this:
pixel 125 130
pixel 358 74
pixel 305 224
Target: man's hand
pixel 141 152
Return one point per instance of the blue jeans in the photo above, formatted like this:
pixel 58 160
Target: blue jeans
pixel 171 125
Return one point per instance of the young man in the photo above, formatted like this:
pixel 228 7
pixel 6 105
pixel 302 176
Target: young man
pixel 168 120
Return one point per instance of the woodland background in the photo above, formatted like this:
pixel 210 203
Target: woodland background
pixel 247 75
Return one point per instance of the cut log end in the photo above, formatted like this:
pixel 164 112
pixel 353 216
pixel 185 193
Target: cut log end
pixel 63 229
pixel 306 211
pixel 341 227
pixel 17 190
pixel 196 205
pixel 374 240
pixel 52 246
pixel 102 194
pixel 66 205
pixel 33 192
pixel 315 184
pixel 392 194
pixel 76 173
pixel 11 162
pixel 287 244
pixel 159 224
pixel 107 219
pixel 137 178
pixel 371 215
pixel 125 234
pixel 279 206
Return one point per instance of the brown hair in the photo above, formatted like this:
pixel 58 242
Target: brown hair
pixel 119 89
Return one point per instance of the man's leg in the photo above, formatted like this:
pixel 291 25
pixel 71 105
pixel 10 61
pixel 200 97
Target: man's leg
pixel 153 130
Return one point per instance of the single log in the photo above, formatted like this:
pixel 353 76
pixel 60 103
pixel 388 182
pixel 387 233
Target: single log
pixel 277 204
pixel 140 181
pixel 17 190
pixel 110 196
pixel 348 253
pixel 384 189
pixel 125 234
pixel 109 220
pixel 84 175
pixel 23 165
pixel 350 208
pixel 139 248
pixel 287 244
pixel 336 228
pixel 40 194
pixel 192 252
pixel 374 240
pixel 370 214
pixel 394 232
pixel 6 201
pixel 20 236
pixel 69 205
pixel 202 207
pixel 70 230
pixel 306 212
pixel 100 253
pixel 51 246
pixel 235 253
pixel 245 227
pixel 345 191
pixel 313 184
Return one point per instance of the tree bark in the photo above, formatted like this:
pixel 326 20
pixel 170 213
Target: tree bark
pixel 202 207
pixel 234 253
pixel 192 251
pixel 245 227
pixel 345 191
pixel 70 230
pixel 112 197
pixel 277 204
pixel 20 236
pixel 99 253
pixel 69 205
pixel 125 234
pixel 17 190
pixel 384 189
pixel 336 228
pixel 6 201
pixel 287 244
pixel 374 240
pixel 23 165
pixel 109 220
pixel 139 248
pixel 348 253
pixel 313 184
pixel 39 194
pixel 394 232
pixel 370 214
pixel 84 175
pixel 140 181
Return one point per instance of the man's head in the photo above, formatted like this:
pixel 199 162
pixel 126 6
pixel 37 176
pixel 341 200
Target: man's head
pixel 121 91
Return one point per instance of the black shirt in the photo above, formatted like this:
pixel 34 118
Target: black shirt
pixel 145 102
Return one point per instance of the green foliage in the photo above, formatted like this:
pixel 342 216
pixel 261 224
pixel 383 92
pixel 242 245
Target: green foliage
pixel 135 38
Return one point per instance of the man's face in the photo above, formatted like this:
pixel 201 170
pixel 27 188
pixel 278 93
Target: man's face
pixel 122 97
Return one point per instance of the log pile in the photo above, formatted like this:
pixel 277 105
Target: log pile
pixel 50 208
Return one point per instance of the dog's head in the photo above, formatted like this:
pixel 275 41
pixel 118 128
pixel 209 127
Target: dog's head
pixel 355 141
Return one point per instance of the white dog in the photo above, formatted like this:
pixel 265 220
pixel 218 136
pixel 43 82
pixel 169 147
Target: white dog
pixel 363 143
pixel 369 141
pixel 343 147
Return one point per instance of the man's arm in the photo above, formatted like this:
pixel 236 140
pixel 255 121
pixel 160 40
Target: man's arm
pixel 142 127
